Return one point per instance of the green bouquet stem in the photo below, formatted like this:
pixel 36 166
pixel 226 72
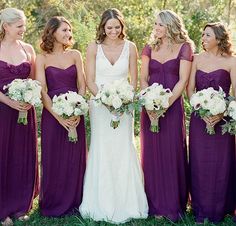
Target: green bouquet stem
pixel 115 120
pixel 210 130
pixel 22 117
pixel 72 134
pixel 154 127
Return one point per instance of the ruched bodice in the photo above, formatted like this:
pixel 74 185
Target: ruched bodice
pixel 61 80
pixel 9 72
pixel 158 72
pixel 106 72
pixel 214 79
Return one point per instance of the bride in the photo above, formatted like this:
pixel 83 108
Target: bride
pixel 113 186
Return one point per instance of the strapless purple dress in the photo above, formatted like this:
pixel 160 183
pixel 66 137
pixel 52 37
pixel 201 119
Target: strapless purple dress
pixel 63 162
pixel 18 151
pixel 164 154
pixel 212 159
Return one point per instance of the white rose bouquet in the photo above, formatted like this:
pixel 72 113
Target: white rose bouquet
pixel 155 98
pixel 67 105
pixel 230 125
pixel 24 90
pixel 118 97
pixel 207 103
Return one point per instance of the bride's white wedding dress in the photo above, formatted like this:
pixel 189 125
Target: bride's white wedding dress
pixel 113 186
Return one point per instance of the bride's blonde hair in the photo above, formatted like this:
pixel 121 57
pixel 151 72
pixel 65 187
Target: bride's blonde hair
pixel 9 16
pixel 176 32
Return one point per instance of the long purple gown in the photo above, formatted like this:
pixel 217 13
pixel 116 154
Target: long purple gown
pixel 211 158
pixel 63 162
pixel 18 151
pixel 164 154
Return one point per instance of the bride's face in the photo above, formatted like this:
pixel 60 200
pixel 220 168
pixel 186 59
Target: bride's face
pixel 113 28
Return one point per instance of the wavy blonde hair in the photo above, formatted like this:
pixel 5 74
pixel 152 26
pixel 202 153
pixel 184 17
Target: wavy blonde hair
pixel 222 36
pixel 107 15
pixel 176 32
pixel 9 16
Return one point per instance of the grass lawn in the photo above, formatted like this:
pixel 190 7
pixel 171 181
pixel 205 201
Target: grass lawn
pixel 37 220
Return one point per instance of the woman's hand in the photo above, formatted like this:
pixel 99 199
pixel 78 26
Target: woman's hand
pixel 19 106
pixel 213 120
pixel 66 123
pixel 154 115
pixel 74 120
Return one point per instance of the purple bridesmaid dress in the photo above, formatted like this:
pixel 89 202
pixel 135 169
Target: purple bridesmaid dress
pixel 212 158
pixel 164 154
pixel 18 151
pixel 63 162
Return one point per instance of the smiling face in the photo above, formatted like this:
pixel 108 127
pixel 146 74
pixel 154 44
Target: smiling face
pixel 209 40
pixel 63 34
pixel 15 30
pixel 113 28
pixel 160 28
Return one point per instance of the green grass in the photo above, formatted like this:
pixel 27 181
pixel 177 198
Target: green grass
pixel 37 220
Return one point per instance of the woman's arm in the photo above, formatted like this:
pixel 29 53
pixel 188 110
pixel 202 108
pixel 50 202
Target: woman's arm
pixel 133 67
pixel 32 60
pixel 233 74
pixel 144 72
pixel 80 72
pixel 90 68
pixel 191 83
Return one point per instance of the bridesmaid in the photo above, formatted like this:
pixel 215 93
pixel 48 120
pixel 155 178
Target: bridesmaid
pixel 18 152
pixel 168 62
pixel 212 156
pixel 60 69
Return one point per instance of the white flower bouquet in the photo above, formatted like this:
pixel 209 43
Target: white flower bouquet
pixel 67 105
pixel 230 125
pixel 208 102
pixel 155 98
pixel 118 97
pixel 24 90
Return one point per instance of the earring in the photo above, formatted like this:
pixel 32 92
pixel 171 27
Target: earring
pixel 104 33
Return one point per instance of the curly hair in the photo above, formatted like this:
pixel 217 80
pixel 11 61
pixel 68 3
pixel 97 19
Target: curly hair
pixel 176 32
pixel 48 38
pixel 222 36
pixel 9 16
pixel 107 15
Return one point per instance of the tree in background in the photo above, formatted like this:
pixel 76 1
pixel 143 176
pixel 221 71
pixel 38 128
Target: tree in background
pixel 139 15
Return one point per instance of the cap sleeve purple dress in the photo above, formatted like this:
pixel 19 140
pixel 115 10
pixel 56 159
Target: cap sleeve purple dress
pixel 63 162
pixel 212 158
pixel 164 154
pixel 18 151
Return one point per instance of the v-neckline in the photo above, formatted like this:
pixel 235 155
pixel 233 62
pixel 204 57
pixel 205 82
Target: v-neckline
pixel 117 58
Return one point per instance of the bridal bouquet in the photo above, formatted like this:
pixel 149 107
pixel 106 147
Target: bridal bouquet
pixel 155 98
pixel 230 126
pixel 67 105
pixel 208 102
pixel 24 90
pixel 118 97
